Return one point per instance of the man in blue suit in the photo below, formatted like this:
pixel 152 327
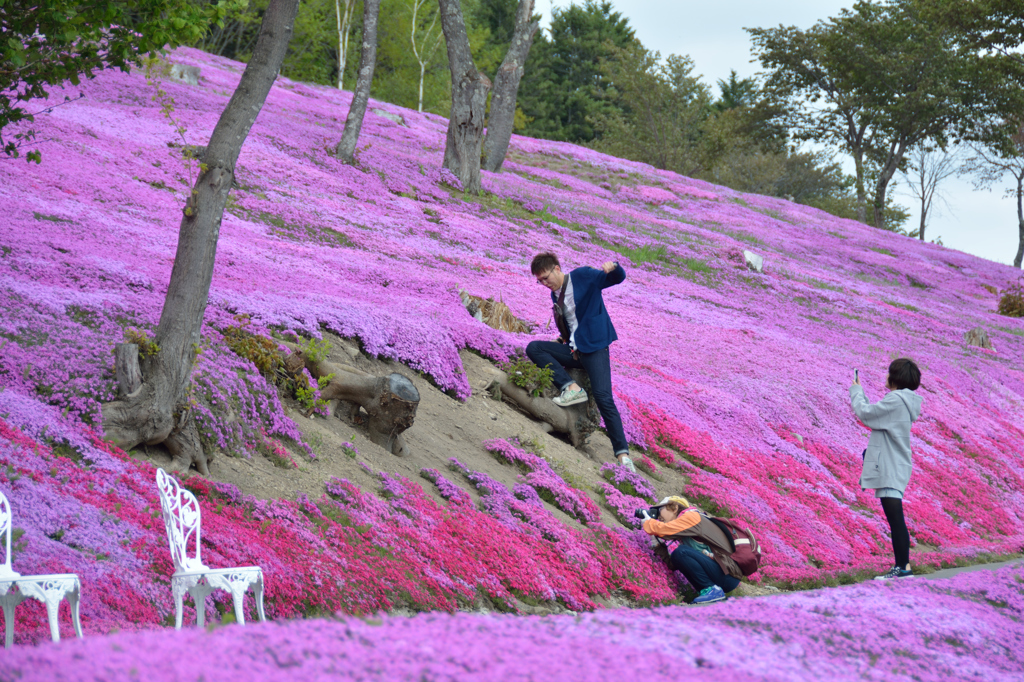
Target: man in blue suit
pixel 585 331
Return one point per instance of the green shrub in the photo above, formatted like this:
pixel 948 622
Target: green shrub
pixel 1011 303
pixel 523 373
pixel 259 350
pixel 147 346
pixel 307 395
pixel 317 351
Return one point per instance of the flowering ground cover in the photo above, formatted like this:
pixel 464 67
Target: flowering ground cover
pixel 967 627
pixel 87 508
pixel 737 378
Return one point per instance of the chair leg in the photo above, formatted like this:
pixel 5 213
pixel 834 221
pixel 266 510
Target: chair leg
pixel 52 612
pixel 8 605
pixel 178 598
pixel 73 600
pixel 237 597
pixel 257 590
pixel 199 598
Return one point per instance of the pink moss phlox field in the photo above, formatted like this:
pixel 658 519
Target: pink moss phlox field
pixel 966 627
pixel 737 378
pixel 628 482
pixel 542 478
pixel 81 506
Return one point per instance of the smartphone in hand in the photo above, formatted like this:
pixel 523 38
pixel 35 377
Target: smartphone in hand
pixel 856 376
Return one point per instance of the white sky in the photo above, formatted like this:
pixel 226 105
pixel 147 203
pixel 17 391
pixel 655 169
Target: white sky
pixel 983 223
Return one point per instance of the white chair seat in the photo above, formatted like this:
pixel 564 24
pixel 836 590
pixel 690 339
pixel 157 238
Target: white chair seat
pixel 49 589
pixel 182 519
pixel 201 582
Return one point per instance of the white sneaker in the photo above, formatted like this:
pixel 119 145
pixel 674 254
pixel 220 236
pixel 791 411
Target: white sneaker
pixel 625 461
pixel 570 397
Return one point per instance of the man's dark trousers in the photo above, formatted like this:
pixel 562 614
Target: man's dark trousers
pixel 559 357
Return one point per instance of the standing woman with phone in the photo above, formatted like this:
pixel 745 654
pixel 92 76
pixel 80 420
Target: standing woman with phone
pixel 887 461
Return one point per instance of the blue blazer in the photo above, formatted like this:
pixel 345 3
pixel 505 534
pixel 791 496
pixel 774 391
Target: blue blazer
pixel 594 329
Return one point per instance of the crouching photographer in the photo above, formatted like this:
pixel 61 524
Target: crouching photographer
pixel 696 547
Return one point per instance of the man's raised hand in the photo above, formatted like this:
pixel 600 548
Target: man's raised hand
pixel 608 267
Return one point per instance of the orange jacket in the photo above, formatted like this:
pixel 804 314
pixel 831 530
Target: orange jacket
pixel 692 524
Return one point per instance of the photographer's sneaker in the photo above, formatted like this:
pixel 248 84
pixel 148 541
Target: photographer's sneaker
pixel 625 461
pixel 710 595
pixel 570 397
pixel 895 572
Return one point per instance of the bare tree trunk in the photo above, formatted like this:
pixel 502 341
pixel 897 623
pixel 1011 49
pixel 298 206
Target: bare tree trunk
pixel 888 170
pixel 506 87
pixel 469 101
pixel 862 199
pixel 344 24
pixel 423 73
pixel 346 149
pixel 157 412
pixel 924 217
pixel 1020 220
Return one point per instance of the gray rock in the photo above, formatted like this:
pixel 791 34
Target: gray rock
pixel 388 115
pixel 978 337
pixel 188 75
pixel 754 261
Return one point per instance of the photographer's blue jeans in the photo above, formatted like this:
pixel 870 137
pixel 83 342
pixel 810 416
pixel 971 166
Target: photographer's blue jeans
pixel 558 356
pixel 701 571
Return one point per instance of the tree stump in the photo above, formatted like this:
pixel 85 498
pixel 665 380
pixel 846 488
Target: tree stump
pixel 978 337
pixel 390 402
pixel 126 369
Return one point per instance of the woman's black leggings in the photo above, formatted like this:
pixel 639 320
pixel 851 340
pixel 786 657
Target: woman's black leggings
pixel 893 508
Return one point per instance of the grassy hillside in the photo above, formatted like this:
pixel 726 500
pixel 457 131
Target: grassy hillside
pixel 733 383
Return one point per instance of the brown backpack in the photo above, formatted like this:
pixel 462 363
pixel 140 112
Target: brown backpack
pixel 745 550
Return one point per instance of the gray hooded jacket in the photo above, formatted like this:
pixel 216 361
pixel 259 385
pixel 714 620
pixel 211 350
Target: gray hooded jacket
pixel 887 463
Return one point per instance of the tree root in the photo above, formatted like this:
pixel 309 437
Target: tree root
pixel 144 414
pixel 185 448
pixel 577 421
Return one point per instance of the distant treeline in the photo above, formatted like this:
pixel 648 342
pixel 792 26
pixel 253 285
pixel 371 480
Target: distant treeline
pixel 889 84
pixel 588 80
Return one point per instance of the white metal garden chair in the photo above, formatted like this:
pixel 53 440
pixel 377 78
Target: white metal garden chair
pixel 49 589
pixel 182 519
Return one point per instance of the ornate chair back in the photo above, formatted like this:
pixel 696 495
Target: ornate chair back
pixel 182 519
pixel 5 529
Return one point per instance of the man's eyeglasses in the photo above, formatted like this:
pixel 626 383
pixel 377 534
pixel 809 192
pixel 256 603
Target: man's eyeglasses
pixel 543 279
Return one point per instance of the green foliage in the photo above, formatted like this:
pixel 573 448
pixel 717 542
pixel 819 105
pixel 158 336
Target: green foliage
pixel 1011 302
pixel 648 253
pixel 258 349
pixel 875 81
pixel 306 395
pixel 56 41
pixel 314 50
pixel 147 346
pixel 523 373
pixel 564 84
pixel 317 351
pixel 995 28
pixel 736 92
pixel 658 110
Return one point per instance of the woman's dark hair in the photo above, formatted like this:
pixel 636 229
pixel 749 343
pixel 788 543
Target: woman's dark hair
pixel 543 262
pixel 903 373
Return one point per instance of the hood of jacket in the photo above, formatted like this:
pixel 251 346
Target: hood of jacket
pixel 912 401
